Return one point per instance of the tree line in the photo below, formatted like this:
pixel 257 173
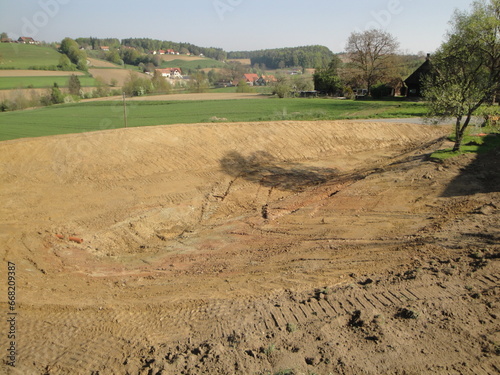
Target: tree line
pixel 280 58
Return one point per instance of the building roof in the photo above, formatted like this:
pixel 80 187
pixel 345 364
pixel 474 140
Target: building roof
pixel 251 77
pixel 416 76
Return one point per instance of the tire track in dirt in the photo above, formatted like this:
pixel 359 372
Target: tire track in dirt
pixel 223 319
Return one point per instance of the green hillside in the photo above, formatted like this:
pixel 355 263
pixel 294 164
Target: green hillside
pixel 25 56
pixel 187 65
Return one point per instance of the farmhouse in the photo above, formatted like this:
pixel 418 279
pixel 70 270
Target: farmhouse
pixel 249 78
pixel 104 48
pixel 414 82
pixel 26 40
pixel 265 80
pixel 170 72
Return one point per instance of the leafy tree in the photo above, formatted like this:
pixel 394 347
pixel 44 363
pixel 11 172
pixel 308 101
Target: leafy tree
pixel 306 57
pixel 56 96
pixel 371 53
pixel 137 85
pixel 327 80
pixel 198 82
pixel 71 49
pixel 302 82
pixel 242 86
pixel 466 69
pixel 65 63
pixel 282 87
pixel 160 84
pixel 114 57
pixel 74 85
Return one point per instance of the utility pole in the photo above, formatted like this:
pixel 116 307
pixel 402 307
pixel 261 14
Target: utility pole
pixel 124 110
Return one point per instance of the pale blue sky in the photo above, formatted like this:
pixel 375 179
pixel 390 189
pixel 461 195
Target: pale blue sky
pixel 419 25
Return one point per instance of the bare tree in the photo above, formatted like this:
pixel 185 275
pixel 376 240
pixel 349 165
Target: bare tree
pixel 371 54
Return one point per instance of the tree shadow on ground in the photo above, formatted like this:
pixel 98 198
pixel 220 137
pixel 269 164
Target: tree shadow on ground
pixel 261 167
pixel 480 176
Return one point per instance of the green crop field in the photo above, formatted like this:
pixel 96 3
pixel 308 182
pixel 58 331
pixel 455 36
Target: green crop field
pixel 185 65
pixel 41 82
pixel 24 56
pixel 92 116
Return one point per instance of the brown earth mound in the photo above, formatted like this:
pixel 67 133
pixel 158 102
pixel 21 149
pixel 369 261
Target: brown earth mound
pixel 252 248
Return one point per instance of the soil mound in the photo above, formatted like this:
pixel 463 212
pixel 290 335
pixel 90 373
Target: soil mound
pixel 252 248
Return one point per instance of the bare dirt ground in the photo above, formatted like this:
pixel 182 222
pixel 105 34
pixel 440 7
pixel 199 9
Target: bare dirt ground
pixel 251 248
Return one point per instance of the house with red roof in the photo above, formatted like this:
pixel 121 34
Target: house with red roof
pixel 170 72
pixel 26 40
pixel 249 78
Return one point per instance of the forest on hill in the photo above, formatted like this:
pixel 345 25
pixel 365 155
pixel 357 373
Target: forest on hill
pixel 280 58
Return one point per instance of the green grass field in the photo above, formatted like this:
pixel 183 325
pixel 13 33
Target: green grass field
pixel 185 65
pixel 41 82
pixel 24 56
pixel 92 116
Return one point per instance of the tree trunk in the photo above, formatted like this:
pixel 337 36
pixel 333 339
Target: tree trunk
pixel 460 131
pixel 458 134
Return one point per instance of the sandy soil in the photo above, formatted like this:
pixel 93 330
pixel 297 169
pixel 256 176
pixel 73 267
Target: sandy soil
pixel 36 73
pixel 251 248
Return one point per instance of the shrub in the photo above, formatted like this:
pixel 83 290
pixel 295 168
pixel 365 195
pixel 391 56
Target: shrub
pixel 381 90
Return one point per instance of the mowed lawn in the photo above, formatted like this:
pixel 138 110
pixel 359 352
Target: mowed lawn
pixel 93 116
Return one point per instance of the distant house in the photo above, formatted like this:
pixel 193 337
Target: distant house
pixel 265 80
pixel 105 48
pixel 249 78
pixel 170 51
pixel 170 72
pixel 26 40
pixel 414 82
pixel 161 52
pixel 6 40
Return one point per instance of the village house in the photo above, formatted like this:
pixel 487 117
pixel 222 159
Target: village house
pixel 170 72
pixel 414 82
pixel 265 80
pixel 249 79
pixel 26 40
pixel 105 48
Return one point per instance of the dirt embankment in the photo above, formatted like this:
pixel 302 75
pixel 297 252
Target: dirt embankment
pixel 314 247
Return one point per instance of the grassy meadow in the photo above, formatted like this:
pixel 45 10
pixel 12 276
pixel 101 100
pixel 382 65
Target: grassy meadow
pixel 24 56
pixel 101 115
pixel 186 65
pixel 7 83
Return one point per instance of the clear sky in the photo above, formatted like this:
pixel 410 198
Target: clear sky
pixel 234 25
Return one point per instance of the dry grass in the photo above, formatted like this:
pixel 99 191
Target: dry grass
pixel 181 57
pixel 108 75
pixel 96 63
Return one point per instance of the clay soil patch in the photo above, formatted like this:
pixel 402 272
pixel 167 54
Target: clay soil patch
pixel 252 248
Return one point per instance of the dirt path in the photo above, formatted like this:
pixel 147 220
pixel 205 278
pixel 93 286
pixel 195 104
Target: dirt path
pixel 325 247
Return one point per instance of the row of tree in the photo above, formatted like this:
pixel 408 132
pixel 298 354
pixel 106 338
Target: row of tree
pixel 305 57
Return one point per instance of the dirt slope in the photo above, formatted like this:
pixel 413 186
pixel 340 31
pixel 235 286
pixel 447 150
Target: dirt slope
pixel 250 248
